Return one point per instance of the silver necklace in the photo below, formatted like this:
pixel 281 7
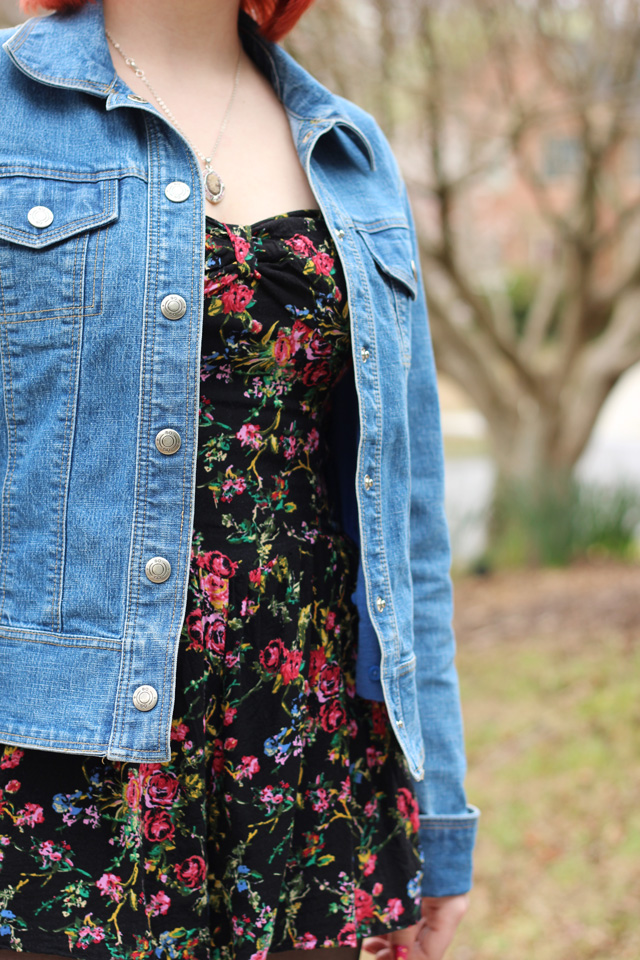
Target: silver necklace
pixel 213 182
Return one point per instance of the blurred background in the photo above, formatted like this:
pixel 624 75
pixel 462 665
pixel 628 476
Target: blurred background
pixel 517 127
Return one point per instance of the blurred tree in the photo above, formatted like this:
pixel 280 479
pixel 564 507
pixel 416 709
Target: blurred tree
pixel 514 120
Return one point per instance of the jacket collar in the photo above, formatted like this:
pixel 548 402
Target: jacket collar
pixel 70 50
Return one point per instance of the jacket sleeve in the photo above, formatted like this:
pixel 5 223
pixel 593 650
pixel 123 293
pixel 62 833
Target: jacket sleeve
pixel 447 822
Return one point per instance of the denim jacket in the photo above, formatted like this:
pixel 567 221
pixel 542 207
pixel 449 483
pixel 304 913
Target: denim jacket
pixel 94 363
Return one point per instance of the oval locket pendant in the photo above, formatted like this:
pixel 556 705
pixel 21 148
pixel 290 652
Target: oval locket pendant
pixel 213 186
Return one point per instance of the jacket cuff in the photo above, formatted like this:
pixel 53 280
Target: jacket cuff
pixel 446 843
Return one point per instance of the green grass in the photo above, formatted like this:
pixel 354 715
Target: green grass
pixel 553 742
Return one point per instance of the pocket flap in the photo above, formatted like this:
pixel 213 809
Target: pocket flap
pixel 390 247
pixel 74 206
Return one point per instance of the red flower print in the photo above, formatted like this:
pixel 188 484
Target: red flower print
pixel 191 872
pixel 291 666
pixel 194 629
pixel 13 786
pixel 394 909
pixel 133 793
pixel 332 715
pixel 315 373
pixel 255 326
pixel 158 825
pixel 364 905
pixel 229 716
pixel 317 660
pixel 323 263
pixel 273 655
pixel 313 440
pixel 306 942
pixel 370 865
pixel 213 285
pixel 347 936
pixel 30 814
pixel 236 298
pixel 217 563
pixel 218 757
pixel 329 682
pixel 179 731
pixel 241 246
pixel 330 620
pixel 380 718
pixel 247 768
pixel 283 347
pixel 214 633
pixel 303 246
pixel 408 807
pixel 300 333
pixel 12 757
pixel 161 789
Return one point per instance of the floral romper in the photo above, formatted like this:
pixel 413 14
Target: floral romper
pixel 286 817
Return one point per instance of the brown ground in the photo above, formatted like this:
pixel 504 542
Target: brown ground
pixel 578 603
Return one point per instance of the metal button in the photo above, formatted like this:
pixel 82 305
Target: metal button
pixel 340 234
pixel 400 723
pixel 364 353
pixel 158 569
pixel 374 672
pixel 414 270
pixel 177 191
pixel 40 216
pixel 168 441
pixel 174 306
pixel 380 604
pixel 368 482
pixel 145 698
pixel 136 98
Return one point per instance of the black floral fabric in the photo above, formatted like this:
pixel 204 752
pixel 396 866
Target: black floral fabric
pixel 286 817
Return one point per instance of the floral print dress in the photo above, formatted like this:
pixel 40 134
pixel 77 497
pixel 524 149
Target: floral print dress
pixel 286 817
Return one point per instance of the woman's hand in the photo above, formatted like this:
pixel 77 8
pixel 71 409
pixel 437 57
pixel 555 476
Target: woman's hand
pixel 426 940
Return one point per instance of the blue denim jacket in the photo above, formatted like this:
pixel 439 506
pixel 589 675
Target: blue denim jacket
pixel 92 370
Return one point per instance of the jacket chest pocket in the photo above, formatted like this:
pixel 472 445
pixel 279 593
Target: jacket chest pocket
pixel 393 279
pixel 52 246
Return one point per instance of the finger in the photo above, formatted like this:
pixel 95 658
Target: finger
pixel 433 943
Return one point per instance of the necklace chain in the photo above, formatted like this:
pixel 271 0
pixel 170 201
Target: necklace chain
pixel 214 195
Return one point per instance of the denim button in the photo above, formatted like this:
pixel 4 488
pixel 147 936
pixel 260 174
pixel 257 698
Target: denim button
pixel 158 569
pixel 364 353
pixel 414 270
pixel 400 723
pixel 368 482
pixel 177 191
pixel 145 698
pixel 380 604
pixel 168 441
pixel 340 234
pixel 374 672
pixel 173 306
pixel 136 98
pixel 40 217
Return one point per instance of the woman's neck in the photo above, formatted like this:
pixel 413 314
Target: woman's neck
pixel 178 36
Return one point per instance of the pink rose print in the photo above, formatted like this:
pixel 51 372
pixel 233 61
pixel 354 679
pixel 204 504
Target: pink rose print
pixel 291 667
pixel 159 904
pixel 323 263
pixel 249 435
pixel 13 786
pixel 110 885
pixel 12 757
pixel 301 245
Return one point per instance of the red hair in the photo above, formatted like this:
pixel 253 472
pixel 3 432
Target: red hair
pixel 274 17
